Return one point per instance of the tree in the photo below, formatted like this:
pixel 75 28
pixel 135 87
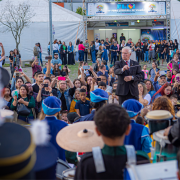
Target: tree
pixel 80 11
pixel 15 18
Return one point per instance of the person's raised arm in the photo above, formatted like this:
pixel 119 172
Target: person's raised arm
pixel 69 82
pixel 34 61
pixel 38 99
pixel 54 82
pixel 156 77
pixel 93 84
pixel 3 51
pixel 93 73
pixel 25 76
pixel 168 65
pixel 82 75
pixel 48 67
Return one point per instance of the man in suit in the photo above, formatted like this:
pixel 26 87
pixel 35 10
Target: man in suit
pixel 129 74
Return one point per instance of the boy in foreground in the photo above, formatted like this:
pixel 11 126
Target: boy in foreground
pixel 113 124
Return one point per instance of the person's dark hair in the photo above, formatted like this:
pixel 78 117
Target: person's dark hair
pixel 114 84
pixel 175 41
pixel 77 42
pixel 101 83
pixel 101 66
pixel 155 64
pixel 76 80
pixel 152 87
pixel 104 62
pixel 173 96
pixel 64 112
pixel 60 42
pixel 39 73
pixel 64 70
pixel 81 42
pixel 82 91
pixel 47 78
pixel 39 44
pixel 72 116
pixel 97 105
pixel 104 76
pixel 112 120
pixel 93 42
pixel 27 83
pixel 140 120
pixel 17 51
pixel 9 90
pixel 20 78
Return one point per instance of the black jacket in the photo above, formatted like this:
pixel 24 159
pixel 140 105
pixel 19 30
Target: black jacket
pixel 132 86
pixel 61 50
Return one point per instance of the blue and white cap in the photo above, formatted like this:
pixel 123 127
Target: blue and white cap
pixel 98 95
pixel 51 105
pixel 133 107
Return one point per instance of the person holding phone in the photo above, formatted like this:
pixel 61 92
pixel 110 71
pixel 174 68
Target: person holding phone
pixel 175 63
pixel 35 67
pixel 113 98
pixel 17 59
pixel 57 61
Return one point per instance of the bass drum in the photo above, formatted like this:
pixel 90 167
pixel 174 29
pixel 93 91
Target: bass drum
pixel 61 166
pixel 69 174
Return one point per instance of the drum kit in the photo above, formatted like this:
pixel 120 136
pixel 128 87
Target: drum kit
pixel 158 121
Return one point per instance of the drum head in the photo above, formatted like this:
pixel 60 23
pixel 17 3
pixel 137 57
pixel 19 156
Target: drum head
pixel 159 115
pixel 61 166
pixel 178 114
pixel 69 174
pixel 160 134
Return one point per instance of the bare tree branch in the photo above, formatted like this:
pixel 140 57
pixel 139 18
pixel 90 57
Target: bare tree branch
pixel 15 18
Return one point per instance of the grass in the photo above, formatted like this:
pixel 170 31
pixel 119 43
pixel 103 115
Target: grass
pixel 7 65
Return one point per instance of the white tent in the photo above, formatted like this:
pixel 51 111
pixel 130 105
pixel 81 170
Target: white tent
pixel 67 26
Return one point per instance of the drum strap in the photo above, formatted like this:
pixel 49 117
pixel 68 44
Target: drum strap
pixel 98 160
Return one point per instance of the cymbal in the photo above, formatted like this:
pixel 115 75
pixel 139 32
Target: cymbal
pixel 79 137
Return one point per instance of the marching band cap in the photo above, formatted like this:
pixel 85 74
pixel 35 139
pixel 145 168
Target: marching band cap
pixel 98 95
pixel 132 106
pixel 17 152
pixel 51 105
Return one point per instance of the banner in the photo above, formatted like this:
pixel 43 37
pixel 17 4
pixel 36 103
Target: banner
pixel 126 9
pixel 149 34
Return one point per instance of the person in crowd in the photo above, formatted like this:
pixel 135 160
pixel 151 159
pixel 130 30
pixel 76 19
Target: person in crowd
pixel 64 116
pixel 63 52
pixel 102 85
pixel 138 51
pixel 146 52
pixel 113 124
pixel 175 44
pixel 178 53
pixel 51 106
pixel 163 103
pixel 129 42
pixel 86 45
pixel 56 71
pixel 2 57
pixel 76 50
pixel 11 55
pixel 127 77
pixel 76 98
pixel 45 68
pixel 102 71
pixel 150 87
pixel 45 90
pixel 39 80
pixel 107 44
pixel 48 48
pixel 99 53
pixel 122 37
pixel 71 54
pixel 83 106
pixel 145 71
pixel 55 47
pixel 81 51
pixel 175 63
pixel 159 81
pixel 7 97
pixel 114 50
pixel 99 98
pixel 96 46
pixel 165 90
pixel 40 54
pixel 97 65
pixel 93 52
pixel 113 98
pixel 169 76
pixel 166 51
pixel 16 60
pixel 161 51
pixel 153 71
pixel 105 64
pixel 77 83
pixel 139 134
pixel 72 117
pixel 23 98
pixel 65 71
pixel 144 96
pixel 151 52
pixel 35 66
pixel 104 55
pixel 56 61
pixel 64 94
pixel 59 46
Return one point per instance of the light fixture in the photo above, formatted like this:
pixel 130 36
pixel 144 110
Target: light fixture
pixel 138 21
pixel 115 20
pixel 129 29
pixel 105 29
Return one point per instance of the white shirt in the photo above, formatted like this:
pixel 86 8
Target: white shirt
pixel 96 45
pixel 55 47
pixel 148 98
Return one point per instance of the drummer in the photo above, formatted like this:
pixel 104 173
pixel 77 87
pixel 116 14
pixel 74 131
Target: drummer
pixel 113 124
pixel 98 97
pixel 139 134
pixel 51 107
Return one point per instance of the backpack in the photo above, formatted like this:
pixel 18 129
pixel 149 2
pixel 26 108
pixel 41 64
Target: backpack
pixel 35 51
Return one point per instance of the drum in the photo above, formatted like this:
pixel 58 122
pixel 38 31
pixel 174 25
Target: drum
pixel 69 174
pixel 158 120
pixel 61 166
pixel 7 115
pixel 164 150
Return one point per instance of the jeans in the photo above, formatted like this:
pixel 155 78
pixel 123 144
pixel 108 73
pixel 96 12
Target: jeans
pixel 93 56
pixel 12 70
pixel 81 55
pixel 146 56
pixel 85 54
pixel 76 56
pixel 113 57
pixel 40 57
pixel 151 55
pixel 167 55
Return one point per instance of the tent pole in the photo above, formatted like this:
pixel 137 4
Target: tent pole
pixel 50 25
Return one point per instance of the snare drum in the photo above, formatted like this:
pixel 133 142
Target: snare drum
pixel 158 120
pixel 69 174
pixel 61 166
pixel 7 115
pixel 164 150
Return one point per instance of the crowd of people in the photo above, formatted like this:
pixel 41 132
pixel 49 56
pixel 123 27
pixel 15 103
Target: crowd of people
pixel 116 97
